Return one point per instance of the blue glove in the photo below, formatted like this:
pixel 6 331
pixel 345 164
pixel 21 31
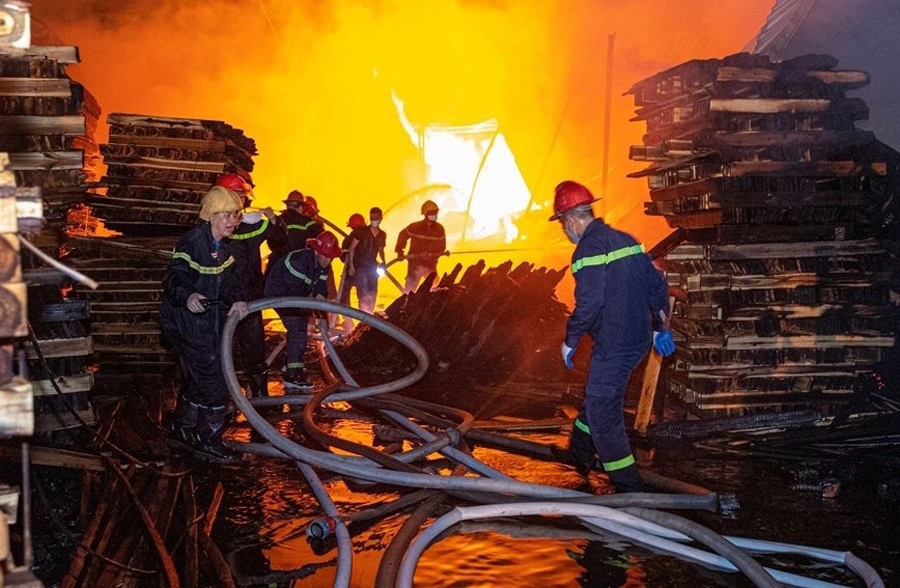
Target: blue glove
pixel 567 353
pixel 663 343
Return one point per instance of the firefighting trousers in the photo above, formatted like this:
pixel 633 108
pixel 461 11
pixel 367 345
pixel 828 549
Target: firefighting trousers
pixel 415 273
pixel 251 342
pixel 297 337
pixel 604 407
pixel 203 381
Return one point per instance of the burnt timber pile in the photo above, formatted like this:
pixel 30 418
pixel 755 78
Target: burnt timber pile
pixel 783 211
pixel 47 124
pixel 157 171
pixel 488 334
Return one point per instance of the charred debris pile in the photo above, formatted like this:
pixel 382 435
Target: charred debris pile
pixel 786 239
pixel 157 171
pixel 491 335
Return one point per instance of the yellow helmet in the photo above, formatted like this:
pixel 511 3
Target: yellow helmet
pixel 218 199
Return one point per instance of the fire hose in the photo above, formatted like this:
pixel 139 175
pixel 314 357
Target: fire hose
pixel 643 532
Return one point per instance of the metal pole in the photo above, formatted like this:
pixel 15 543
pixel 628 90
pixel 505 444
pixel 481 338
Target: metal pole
pixel 27 552
pixel 607 115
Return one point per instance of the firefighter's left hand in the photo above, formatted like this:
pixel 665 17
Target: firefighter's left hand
pixel 567 353
pixel 663 343
pixel 239 308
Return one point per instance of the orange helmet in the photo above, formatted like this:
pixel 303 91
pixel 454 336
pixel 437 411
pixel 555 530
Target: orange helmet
pixel 295 196
pixel 326 244
pixel 356 221
pixel 570 195
pixel 429 206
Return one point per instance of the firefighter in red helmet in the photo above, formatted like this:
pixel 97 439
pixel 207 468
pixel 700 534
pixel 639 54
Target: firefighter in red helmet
pixel 256 228
pixel 367 245
pixel 302 272
pixel 620 298
pixel 427 242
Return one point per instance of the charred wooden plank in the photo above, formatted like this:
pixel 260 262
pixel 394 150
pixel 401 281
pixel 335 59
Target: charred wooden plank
pixel 51 348
pixel 59 88
pixel 199 145
pixel 42 125
pixel 65 55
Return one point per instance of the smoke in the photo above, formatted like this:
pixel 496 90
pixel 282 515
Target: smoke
pixel 311 82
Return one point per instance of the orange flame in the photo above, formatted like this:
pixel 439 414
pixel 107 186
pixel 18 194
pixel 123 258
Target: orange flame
pixel 314 83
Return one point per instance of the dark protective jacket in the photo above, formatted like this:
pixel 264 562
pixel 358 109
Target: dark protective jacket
pixel 368 246
pixel 198 265
pixel 297 228
pixel 247 239
pixel 618 292
pixel 297 274
pixel 427 241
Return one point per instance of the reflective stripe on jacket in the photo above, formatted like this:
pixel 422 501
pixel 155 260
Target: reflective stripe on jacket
pixel 617 289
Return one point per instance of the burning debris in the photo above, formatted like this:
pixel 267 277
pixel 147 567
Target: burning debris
pixel 479 327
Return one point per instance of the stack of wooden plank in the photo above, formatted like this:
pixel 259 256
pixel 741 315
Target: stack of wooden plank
pixel 782 207
pixel 47 124
pixel 16 401
pixel 159 168
pixel 124 309
pixel 157 171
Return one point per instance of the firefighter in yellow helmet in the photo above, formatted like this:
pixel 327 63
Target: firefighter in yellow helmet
pixel 427 242
pixel 204 284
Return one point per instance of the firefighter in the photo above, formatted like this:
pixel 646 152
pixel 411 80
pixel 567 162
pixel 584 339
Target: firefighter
pixel 427 242
pixel 299 223
pixel 255 229
pixel 204 284
pixel 619 296
pixel 366 246
pixel 355 222
pixel 302 272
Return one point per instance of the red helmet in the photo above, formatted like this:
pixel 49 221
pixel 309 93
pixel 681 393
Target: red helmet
pixel 326 244
pixel 233 182
pixel 570 195
pixel 309 210
pixel 356 221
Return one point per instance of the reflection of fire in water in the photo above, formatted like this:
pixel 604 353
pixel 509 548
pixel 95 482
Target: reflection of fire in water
pixel 483 190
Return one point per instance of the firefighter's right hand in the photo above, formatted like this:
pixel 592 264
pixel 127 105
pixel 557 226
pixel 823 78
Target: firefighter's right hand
pixel 351 270
pixel 195 303
pixel 663 343
pixel 567 353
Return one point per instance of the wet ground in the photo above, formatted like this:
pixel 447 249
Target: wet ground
pixel 263 522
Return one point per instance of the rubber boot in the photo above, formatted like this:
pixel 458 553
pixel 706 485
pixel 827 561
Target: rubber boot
pixel 209 436
pixel 296 378
pixel 627 479
pixel 258 383
pixel 581 450
pixel 184 424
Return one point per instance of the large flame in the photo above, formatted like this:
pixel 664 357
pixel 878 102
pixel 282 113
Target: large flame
pixel 315 83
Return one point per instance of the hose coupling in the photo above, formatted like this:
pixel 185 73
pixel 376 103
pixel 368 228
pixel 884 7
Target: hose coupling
pixel 321 528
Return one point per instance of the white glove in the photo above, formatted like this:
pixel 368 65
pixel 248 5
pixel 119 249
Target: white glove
pixel 251 218
pixel 567 353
